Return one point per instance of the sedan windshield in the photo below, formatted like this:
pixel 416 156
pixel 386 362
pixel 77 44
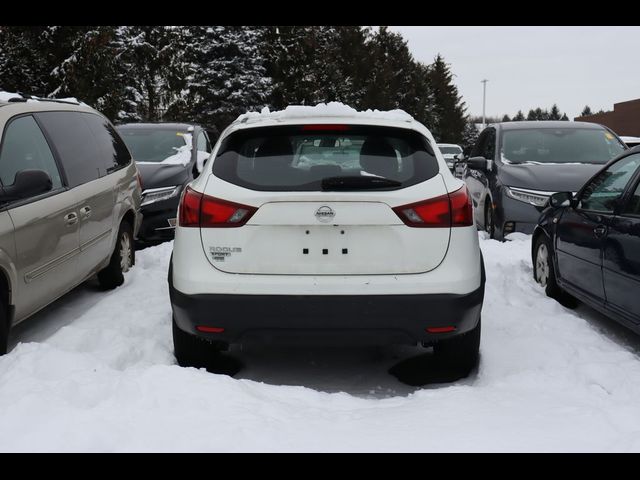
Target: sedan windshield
pixel 559 145
pixel 149 145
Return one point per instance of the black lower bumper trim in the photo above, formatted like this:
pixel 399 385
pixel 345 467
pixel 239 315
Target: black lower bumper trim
pixel 371 319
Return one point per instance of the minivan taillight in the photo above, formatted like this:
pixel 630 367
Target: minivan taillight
pixel 199 210
pixel 445 211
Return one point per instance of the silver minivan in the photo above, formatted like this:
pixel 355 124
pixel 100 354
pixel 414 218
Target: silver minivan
pixel 69 205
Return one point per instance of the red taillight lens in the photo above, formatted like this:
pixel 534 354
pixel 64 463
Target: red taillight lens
pixel 431 213
pixel 452 210
pixel 199 210
pixel 461 208
pixel 440 329
pixel 206 329
pixel 189 208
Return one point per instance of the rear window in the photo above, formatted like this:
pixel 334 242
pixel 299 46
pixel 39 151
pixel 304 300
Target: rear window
pixel 302 158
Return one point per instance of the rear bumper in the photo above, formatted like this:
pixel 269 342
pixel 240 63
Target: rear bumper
pixel 327 319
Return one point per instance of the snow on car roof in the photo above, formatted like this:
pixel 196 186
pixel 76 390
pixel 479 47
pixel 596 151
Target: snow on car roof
pixel 8 96
pixel 327 110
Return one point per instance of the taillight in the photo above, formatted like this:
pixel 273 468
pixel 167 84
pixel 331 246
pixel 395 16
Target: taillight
pixel 445 211
pixel 199 210
pixel 461 208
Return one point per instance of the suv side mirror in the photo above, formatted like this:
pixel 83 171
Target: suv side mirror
pixel 27 183
pixel 478 163
pixel 561 199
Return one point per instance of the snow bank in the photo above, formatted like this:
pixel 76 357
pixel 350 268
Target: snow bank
pixel 331 109
pixel 95 372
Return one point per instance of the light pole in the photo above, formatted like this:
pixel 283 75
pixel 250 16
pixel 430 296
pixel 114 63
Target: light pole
pixel 484 101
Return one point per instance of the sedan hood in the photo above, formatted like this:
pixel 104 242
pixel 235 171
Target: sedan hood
pixel 156 175
pixel 548 178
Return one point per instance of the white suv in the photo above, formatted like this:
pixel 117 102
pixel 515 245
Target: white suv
pixel 327 224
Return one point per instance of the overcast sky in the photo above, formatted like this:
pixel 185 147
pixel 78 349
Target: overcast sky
pixel 529 67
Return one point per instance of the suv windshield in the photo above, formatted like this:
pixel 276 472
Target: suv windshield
pixel 152 145
pixel 559 145
pixel 447 150
pixel 323 157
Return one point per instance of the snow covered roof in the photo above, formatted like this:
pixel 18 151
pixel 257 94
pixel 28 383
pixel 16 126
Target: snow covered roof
pixel 327 110
pixel 7 96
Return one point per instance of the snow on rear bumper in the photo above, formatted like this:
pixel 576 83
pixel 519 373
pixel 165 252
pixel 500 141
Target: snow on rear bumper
pixel 459 273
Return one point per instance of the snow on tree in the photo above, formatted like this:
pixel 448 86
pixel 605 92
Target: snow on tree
pixel 226 73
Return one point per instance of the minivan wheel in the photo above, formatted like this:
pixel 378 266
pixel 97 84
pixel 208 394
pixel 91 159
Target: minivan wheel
pixel 545 275
pixel 461 352
pixel 122 259
pixel 193 351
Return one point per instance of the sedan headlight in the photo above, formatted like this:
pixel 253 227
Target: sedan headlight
pixel 153 195
pixel 532 197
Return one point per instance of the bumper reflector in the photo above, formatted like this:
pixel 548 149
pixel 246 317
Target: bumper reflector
pixel 205 329
pixel 440 329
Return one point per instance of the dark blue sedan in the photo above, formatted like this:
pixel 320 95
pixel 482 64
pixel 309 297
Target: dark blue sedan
pixel 587 247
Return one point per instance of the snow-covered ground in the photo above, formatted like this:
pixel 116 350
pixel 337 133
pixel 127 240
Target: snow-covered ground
pixel 95 372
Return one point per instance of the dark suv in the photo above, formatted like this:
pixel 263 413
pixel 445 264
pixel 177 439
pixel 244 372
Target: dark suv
pixel 168 156
pixel 514 167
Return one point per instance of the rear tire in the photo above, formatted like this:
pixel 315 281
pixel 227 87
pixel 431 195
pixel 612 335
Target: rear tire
pixel 122 259
pixel 544 273
pixel 193 351
pixel 4 329
pixel 461 352
pixel 489 219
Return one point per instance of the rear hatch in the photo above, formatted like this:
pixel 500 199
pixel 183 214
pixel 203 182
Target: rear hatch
pixel 324 199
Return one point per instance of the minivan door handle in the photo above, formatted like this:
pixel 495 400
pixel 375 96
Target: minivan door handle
pixel 71 218
pixel 85 212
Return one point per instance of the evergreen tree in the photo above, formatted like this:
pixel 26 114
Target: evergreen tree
pixel 449 107
pixel 564 117
pixel 586 111
pixel 226 74
pixel 519 116
pixel 146 54
pixel 29 54
pixel 470 134
pixel 90 72
pixel 506 118
pixel 554 113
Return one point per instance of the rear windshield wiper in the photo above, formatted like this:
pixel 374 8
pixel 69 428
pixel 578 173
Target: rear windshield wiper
pixel 357 183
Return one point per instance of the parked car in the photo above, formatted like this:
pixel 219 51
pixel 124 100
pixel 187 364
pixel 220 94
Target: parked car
pixel 69 205
pixel 588 245
pixel 450 152
pixel 343 229
pixel 631 141
pixel 168 156
pixel 515 167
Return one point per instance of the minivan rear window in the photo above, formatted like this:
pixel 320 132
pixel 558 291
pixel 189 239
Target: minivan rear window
pixel 323 157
